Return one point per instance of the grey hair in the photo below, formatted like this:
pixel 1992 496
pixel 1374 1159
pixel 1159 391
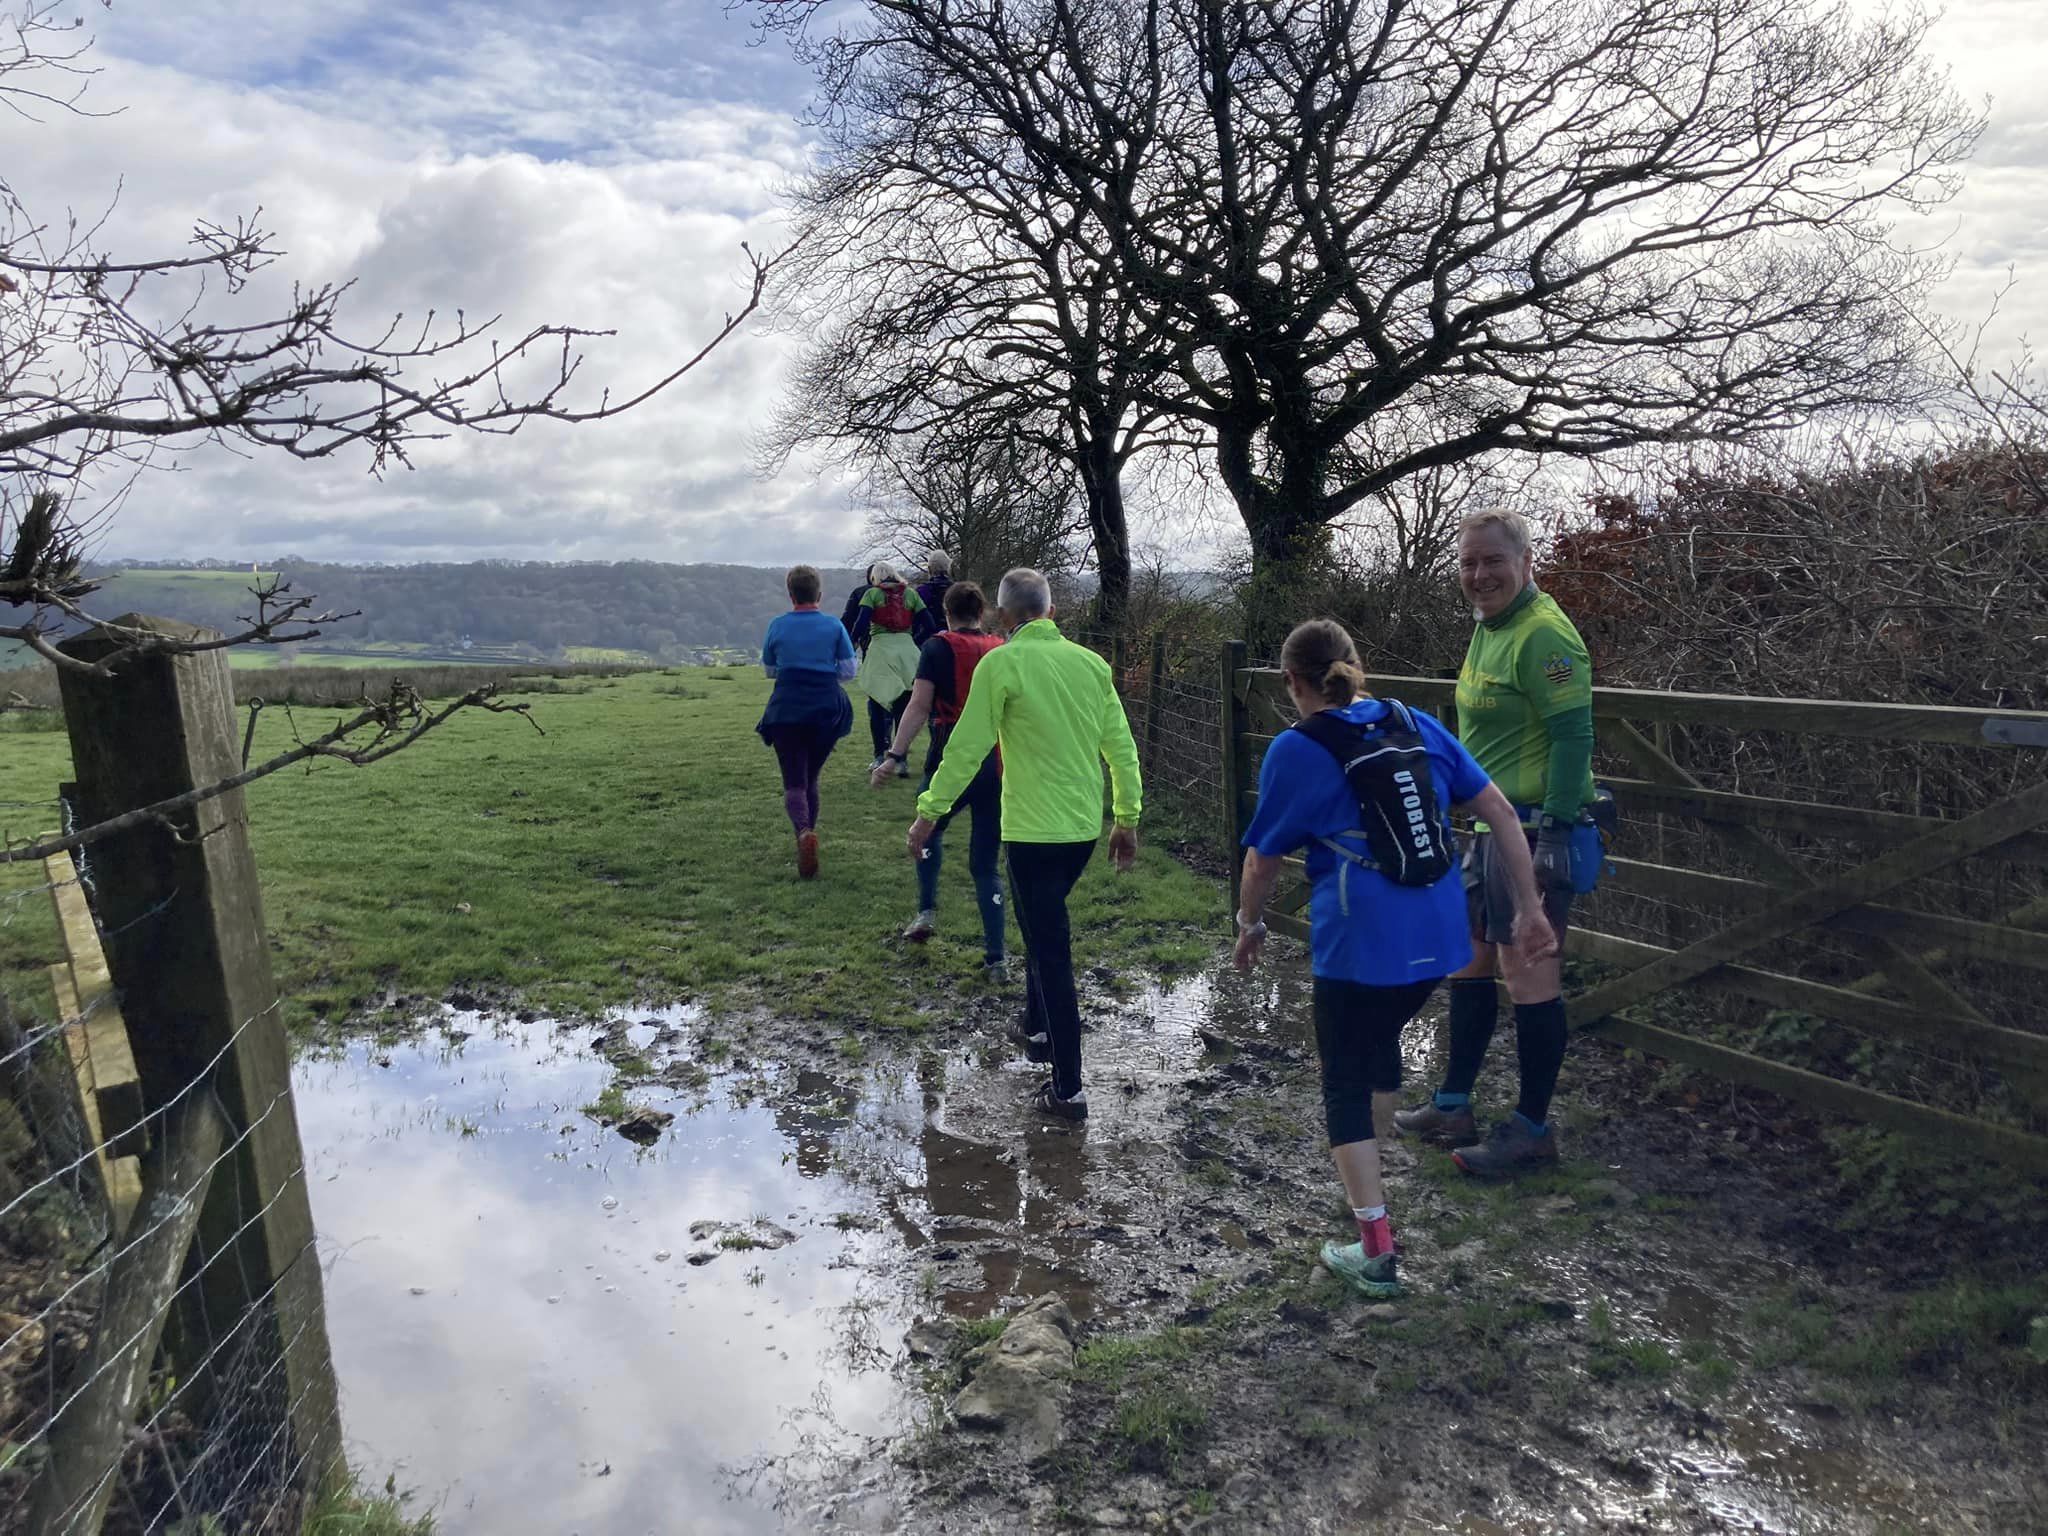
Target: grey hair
pixel 939 563
pixel 1513 526
pixel 882 571
pixel 1025 594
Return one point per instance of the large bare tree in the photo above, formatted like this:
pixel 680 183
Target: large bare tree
pixel 108 358
pixel 948 280
pixel 1390 235
pixel 992 499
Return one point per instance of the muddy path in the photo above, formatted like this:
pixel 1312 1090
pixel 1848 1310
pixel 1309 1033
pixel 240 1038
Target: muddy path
pixel 755 1320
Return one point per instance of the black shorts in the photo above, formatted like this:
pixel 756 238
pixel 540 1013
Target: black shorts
pixel 1490 899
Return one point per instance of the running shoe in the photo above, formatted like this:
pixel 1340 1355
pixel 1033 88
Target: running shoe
pixel 1511 1149
pixel 1442 1127
pixel 807 855
pixel 1037 1047
pixel 1045 1101
pixel 922 927
pixel 1368 1277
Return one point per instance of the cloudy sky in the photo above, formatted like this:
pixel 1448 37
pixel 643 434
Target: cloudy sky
pixel 602 169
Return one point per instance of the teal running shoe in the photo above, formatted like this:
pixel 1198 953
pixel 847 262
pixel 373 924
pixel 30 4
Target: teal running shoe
pixel 1369 1277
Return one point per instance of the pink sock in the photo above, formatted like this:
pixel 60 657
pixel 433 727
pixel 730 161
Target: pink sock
pixel 1375 1232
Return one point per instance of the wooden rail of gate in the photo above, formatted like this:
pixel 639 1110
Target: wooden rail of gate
pixel 1780 897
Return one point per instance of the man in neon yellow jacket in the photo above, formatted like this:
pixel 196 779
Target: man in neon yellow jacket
pixel 1051 706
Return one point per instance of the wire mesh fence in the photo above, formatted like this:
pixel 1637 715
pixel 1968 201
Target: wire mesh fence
pixel 1175 705
pixel 144 1381
pixel 163 1352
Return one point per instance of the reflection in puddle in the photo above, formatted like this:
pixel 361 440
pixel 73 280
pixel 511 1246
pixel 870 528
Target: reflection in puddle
pixel 523 1317
pixel 524 1321
pixel 512 1318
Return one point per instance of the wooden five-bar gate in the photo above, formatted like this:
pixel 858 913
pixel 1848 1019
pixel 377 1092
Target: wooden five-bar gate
pixel 1928 930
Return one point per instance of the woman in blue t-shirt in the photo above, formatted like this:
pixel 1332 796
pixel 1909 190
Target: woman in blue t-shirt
pixel 1378 948
pixel 810 656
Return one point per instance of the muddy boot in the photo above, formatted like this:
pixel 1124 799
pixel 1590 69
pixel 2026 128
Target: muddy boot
pixel 1442 1127
pixel 1036 1047
pixel 922 927
pixel 807 855
pixel 1368 1277
pixel 1514 1147
pixel 1047 1102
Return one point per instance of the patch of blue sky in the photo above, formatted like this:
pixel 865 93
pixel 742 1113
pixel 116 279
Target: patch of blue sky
pixel 509 75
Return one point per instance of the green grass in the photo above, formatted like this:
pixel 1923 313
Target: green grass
pixel 638 849
pixel 348 1511
pixel 1615 1355
pixel 982 1330
pixel 1155 1427
pixel 1108 1357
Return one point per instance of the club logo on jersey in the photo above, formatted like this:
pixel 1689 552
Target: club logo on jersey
pixel 1558 668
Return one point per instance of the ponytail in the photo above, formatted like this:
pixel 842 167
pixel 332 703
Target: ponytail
pixel 1321 654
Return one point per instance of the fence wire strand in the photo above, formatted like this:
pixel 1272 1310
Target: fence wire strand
pixel 218 1442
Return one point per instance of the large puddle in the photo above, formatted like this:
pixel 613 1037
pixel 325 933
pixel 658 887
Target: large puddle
pixel 544 1327
pixel 516 1320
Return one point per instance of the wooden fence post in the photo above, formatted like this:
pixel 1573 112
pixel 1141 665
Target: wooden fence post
pixel 1233 726
pixel 182 919
pixel 1118 657
pixel 1150 754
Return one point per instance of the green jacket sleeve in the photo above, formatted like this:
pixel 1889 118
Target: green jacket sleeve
pixel 1121 753
pixel 1555 673
pixel 1571 760
pixel 973 738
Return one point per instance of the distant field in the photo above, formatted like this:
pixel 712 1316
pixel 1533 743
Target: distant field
pixel 602 653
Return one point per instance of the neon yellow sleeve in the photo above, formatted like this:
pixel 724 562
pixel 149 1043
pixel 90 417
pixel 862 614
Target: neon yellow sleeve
pixel 1121 753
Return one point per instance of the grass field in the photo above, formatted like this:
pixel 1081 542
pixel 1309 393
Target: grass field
pixel 637 849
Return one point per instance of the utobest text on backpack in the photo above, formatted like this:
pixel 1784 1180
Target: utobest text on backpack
pixel 1387 766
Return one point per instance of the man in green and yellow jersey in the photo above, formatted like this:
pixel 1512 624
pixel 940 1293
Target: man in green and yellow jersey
pixel 1525 711
pixel 1051 706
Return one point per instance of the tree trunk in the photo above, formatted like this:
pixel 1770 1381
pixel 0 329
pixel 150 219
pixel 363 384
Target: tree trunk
pixel 1102 479
pixel 1290 541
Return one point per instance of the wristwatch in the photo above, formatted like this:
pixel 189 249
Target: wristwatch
pixel 1253 930
pixel 896 757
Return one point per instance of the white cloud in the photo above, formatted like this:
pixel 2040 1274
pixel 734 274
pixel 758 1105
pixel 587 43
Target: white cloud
pixel 644 242
pixel 551 165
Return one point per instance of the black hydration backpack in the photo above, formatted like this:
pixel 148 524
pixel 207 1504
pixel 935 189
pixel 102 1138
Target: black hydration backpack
pixel 1387 767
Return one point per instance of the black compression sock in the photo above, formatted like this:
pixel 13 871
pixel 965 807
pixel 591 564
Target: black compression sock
pixel 1473 1009
pixel 1539 1041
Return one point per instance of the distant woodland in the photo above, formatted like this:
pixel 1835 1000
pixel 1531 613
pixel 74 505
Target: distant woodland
pixel 662 610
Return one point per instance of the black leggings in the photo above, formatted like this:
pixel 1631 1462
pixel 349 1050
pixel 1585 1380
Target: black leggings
pixel 1358 1035
pixel 1041 877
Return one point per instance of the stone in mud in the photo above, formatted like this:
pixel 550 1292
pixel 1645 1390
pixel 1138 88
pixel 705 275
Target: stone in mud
pixel 643 1125
pixel 1020 1381
pixel 927 1339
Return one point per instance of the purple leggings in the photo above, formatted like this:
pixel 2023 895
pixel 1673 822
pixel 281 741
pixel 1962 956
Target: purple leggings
pixel 800 751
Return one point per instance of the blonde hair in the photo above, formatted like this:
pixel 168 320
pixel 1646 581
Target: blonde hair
pixel 1513 526
pixel 1321 655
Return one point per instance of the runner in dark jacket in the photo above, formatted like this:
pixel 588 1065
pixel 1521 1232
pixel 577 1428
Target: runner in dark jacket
pixel 938 576
pixel 945 670
pixel 857 632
